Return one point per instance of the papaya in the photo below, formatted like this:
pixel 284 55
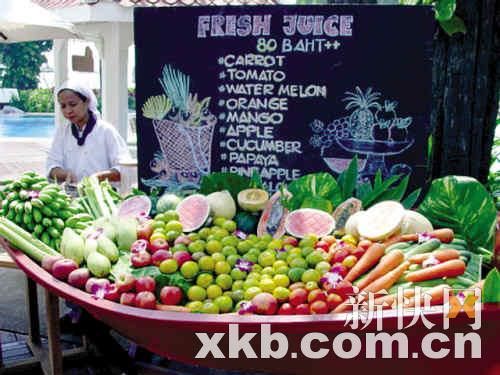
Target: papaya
pixel 273 217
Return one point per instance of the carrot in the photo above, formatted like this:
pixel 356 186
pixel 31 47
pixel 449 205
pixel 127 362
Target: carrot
pixel 450 268
pixel 437 296
pixel 367 261
pixel 441 255
pixel 389 300
pixel 387 263
pixel 384 282
pixel 445 235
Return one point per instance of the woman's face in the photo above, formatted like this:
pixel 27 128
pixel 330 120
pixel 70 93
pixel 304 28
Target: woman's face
pixel 73 107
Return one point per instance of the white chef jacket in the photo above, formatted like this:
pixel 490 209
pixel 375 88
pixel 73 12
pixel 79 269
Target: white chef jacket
pixel 103 149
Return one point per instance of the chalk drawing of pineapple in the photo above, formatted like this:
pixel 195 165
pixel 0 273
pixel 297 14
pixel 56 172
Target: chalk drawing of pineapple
pixel 362 118
pixel 184 127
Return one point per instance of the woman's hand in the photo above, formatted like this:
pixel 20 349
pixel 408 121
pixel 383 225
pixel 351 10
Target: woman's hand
pixel 111 175
pixel 63 175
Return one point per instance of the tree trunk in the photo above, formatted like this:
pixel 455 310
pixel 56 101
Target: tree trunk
pixel 466 83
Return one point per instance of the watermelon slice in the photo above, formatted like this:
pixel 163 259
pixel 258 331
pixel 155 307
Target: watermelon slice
pixel 193 212
pixel 306 221
pixel 135 207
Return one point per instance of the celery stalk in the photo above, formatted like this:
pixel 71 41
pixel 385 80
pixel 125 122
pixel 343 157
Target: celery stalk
pixel 22 244
pixel 27 236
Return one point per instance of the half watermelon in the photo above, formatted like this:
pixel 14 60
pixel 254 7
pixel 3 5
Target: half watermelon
pixel 193 212
pixel 307 221
pixel 134 207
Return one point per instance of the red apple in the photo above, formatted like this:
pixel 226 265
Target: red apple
pixel 286 309
pixel 145 230
pixel 316 295
pixel 297 285
pixel 49 260
pixel 145 284
pixel 127 299
pixel 183 239
pixel 112 293
pixel 139 246
pixel 265 304
pixel 63 267
pixel 78 278
pixel 140 259
pixel 145 300
pixel 344 289
pixel 340 255
pixel 298 296
pixel 318 307
pixel 170 295
pixel 333 300
pixel 94 283
pixel 302 309
pixel 159 256
pixel 158 244
pixel 181 257
pixel 323 245
pixel 125 282
pixel 291 241
pixel 340 269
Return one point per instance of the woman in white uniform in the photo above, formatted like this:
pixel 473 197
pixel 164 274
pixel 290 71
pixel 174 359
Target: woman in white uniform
pixel 86 145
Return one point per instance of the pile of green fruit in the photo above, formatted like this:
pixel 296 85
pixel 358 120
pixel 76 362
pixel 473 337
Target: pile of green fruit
pixel 41 208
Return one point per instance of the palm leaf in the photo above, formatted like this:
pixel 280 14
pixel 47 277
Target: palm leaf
pixel 176 86
pixel 156 107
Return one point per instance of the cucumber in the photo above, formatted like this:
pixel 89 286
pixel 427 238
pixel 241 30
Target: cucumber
pixel 398 246
pixel 425 247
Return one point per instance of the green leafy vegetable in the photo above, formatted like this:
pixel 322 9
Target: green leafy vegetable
pixel 491 288
pixel 231 182
pixel 348 178
pixel 453 25
pixel 464 205
pixel 122 265
pixel 410 200
pixel 315 190
pixel 152 271
pixel 445 9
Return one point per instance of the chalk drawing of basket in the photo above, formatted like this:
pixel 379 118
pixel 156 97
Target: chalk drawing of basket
pixel 187 149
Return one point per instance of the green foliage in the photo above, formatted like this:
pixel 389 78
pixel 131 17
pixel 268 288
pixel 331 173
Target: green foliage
pixel 491 288
pixel 22 62
pixel 493 183
pixel 464 205
pixel 231 182
pixel 38 100
pixel 444 14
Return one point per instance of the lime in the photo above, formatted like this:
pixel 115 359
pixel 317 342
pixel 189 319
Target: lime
pixel 204 280
pixel 306 251
pixel 295 251
pixel 315 257
pixel 218 257
pixel 178 247
pixel 257 268
pixel 238 274
pixel 195 246
pixel 158 224
pixel 281 293
pixel 225 304
pixel 310 275
pixel 224 281
pixel 214 291
pixel 194 306
pixel 322 267
pixel 213 246
pixel 170 215
pixel 197 256
pixel 250 257
pixel 196 293
pixel 229 250
pixel 229 225
pixel 306 242
pixel 252 238
pixel 267 285
pixel 219 221
pixel 261 245
pixel 281 280
pixel 173 225
pixel 172 235
pixel 210 308
pixel 238 295
pixel 254 275
pixel 169 266
pixel 232 259
pixel 252 292
pixel 219 234
pixel 311 285
pixel 268 271
pixel 275 245
pixel 279 263
pixel 160 217
pixel 193 236
pixel 298 262
pixel 282 270
pixel 230 241
pixel 249 283
pixel 204 233
pixel 244 246
pixel 222 267
pixel 206 263
pixel 237 285
pixel 189 269
pixel 267 258
pixel 295 274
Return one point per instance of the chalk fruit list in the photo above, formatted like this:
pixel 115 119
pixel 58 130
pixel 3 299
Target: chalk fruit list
pixel 256 88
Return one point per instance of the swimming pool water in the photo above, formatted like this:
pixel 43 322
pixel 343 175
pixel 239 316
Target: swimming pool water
pixel 27 126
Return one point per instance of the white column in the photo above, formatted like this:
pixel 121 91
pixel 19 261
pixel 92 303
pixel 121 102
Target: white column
pixel 116 39
pixel 61 72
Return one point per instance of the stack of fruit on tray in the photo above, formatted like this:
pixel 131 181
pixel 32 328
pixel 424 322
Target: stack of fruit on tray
pixel 232 248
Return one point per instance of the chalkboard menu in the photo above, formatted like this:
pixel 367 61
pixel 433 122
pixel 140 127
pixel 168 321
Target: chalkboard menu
pixel 284 90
